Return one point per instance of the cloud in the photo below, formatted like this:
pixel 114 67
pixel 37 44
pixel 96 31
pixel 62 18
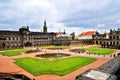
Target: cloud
pixel 31 12
pixel 118 20
pixel 92 14
pixel 73 15
pixel 100 25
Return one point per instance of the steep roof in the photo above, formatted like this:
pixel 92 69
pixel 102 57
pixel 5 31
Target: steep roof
pixel 106 33
pixel 87 33
pixel 58 33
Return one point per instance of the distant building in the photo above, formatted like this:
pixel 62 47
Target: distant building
pixel 108 39
pixel 62 38
pixel 113 41
pixel 99 37
pixel 107 35
pixel 86 35
pixel 84 38
pixel 24 37
pixel 91 37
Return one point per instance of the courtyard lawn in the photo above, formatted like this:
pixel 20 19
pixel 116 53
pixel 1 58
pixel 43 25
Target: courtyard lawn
pixel 13 52
pixel 99 50
pixel 53 65
pixel 10 48
pixel 54 47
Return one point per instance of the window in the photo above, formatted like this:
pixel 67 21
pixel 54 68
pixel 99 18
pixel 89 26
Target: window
pixel 110 37
pixel 117 37
pixel 9 38
pixel 13 38
pixel 113 43
pixel 107 43
pixel 110 43
pixel 117 43
pixel 113 37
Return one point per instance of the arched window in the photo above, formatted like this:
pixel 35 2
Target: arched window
pixel 117 43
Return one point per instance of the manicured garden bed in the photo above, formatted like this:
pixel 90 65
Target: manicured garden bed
pixel 53 65
pixel 78 50
pixel 99 50
pixel 13 52
pixel 32 51
pixel 52 55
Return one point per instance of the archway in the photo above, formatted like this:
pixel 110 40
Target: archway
pixel 3 45
pixel 28 44
pixel 96 42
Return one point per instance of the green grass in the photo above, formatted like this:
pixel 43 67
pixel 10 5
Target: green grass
pixel 13 52
pixel 54 47
pixel 99 50
pixel 10 48
pixel 53 65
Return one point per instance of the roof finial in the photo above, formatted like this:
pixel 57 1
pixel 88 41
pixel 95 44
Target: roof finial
pixel 45 22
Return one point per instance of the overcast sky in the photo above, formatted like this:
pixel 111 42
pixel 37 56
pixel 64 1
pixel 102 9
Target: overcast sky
pixel 71 15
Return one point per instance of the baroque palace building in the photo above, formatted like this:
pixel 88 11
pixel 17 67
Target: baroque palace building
pixel 113 41
pixel 99 37
pixel 24 37
pixel 108 40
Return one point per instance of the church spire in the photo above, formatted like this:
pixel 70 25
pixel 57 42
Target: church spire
pixel 45 27
pixel 64 32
